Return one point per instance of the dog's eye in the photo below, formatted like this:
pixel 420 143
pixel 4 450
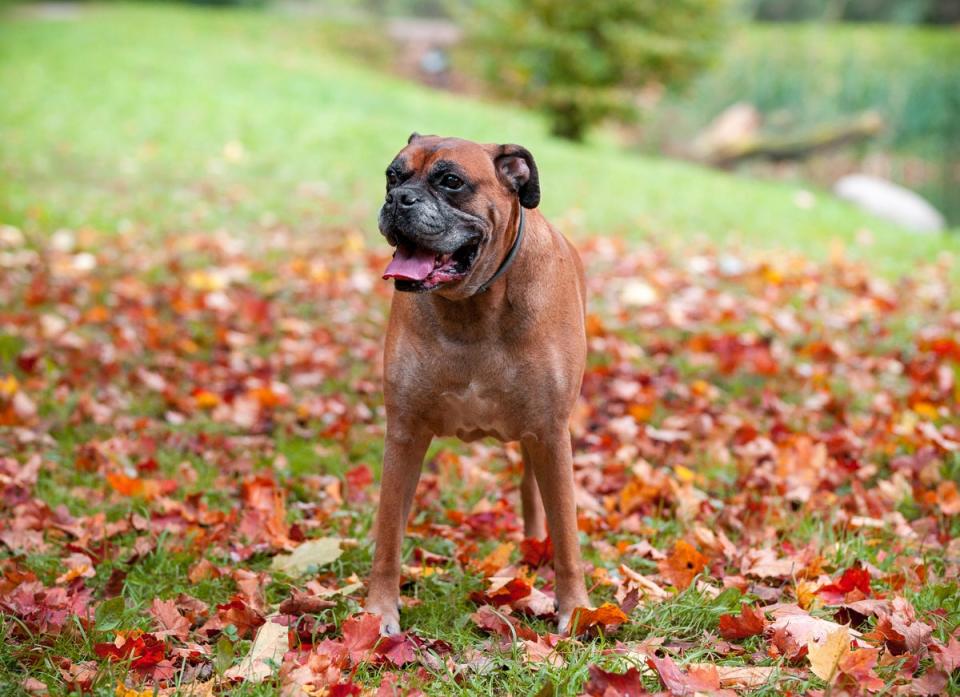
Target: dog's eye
pixel 451 181
pixel 392 178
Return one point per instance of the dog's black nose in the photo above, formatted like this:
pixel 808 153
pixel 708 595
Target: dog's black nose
pixel 408 198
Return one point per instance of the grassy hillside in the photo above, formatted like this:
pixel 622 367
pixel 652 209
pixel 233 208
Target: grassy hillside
pixel 180 118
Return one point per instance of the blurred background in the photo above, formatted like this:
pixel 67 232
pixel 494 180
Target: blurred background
pixel 803 123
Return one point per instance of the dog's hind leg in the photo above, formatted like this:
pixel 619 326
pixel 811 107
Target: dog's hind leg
pixel 534 522
pixel 552 460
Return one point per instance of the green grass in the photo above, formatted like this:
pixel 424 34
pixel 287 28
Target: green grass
pixel 178 118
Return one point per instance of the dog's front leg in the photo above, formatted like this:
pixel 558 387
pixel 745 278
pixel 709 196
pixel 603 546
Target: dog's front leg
pixel 402 460
pixel 552 461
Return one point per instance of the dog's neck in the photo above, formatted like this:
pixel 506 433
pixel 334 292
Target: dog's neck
pixel 498 305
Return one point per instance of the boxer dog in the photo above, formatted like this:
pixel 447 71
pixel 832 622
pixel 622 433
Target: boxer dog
pixel 485 338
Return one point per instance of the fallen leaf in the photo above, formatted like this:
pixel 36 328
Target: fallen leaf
pixel 682 564
pixel 742 676
pixel 168 619
pixel 604 684
pixel 854 578
pixel 749 622
pixel 698 678
pixel 504 626
pixel 826 655
pixel 859 666
pixel 300 603
pixel 360 634
pixel 606 616
pixel 308 555
pixel 946 657
pixel 264 656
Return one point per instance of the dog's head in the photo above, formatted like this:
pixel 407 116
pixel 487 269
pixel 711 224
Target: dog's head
pixel 449 211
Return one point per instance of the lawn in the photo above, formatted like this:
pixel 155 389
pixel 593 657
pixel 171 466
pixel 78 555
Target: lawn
pixel 172 119
pixel 767 449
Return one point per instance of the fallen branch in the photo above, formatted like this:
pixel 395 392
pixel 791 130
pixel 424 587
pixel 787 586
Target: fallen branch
pixel 798 146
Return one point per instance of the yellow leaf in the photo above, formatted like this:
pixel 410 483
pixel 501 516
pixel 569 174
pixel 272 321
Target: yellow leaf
pixel 825 656
pixel 205 399
pixel 806 593
pixel 267 651
pixel 309 554
pixel 8 385
pixel 496 560
pixel 124 691
pixel 926 410
pixel 684 474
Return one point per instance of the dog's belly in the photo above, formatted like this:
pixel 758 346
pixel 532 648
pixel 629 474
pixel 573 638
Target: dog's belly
pixel 474 412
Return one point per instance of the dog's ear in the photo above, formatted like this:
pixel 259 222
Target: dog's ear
pixel 413 137
pixel 517 169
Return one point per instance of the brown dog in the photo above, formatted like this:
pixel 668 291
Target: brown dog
pixel 487 339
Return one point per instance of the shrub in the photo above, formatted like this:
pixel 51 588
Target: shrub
pixel 583 61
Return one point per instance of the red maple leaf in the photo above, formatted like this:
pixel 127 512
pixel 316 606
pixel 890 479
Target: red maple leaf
pixel 398 649
pixel 358 478
pixel 238 613
pixel 144 651
pixel 507 594
pixel 360 634
pixel 853 579
pixel 604 684
pixel 535 553
pixel 749 622
pixel 344 689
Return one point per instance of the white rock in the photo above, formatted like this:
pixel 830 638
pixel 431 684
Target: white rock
pixel 890 201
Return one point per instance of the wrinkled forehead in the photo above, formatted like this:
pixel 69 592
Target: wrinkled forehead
pixel 426 151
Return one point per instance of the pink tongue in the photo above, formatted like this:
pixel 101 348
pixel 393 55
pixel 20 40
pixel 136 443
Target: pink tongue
pixel 410 263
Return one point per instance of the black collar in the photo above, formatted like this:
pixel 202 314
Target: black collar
pixel 511 255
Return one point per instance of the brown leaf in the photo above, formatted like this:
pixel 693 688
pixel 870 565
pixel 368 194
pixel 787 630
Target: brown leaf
pixel 236 612
pixel 202 571
pixel 502 625
pixel 300 603
pixel 168 619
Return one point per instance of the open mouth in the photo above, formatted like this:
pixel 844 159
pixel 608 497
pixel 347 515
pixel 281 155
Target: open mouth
pixel 417 269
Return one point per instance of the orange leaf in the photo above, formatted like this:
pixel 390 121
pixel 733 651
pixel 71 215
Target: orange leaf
pixel 683 564
pixel 496 560
pixel 607 615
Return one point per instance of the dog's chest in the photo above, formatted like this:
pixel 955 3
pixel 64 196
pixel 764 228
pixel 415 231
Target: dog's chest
pixel 477 410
